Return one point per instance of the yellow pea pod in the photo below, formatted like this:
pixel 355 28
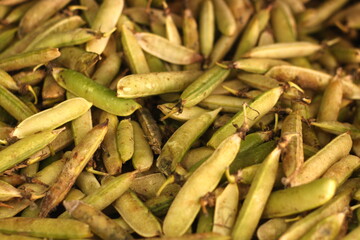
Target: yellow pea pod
pixel 52 118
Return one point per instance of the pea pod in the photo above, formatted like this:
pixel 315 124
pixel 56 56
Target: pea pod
pixel 262 104
pixel 52 118
pixel 255 200
pixel 225 20
pixel 95 93
pixel 186 204
pixel 125 139
pixel 207 27
pixel 142 158
pixel 299 199
pixel 178 144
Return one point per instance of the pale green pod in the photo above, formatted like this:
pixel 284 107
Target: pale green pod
pixel 252 32
pixel 63 25
pixel 283 23
pixel 125 139
pixel 17 237
pixel 107 69
pixel 232 84
pixel 29 59
pixel 51 91
pixel 258 81
pixel 7 37
pixel 225 20
pixel 195 155
pixel 78 159
pixel 224 43
pixel 186 114
pixel 69 38
pixel 99 95
pixel 346 54
pixel 143 157
pixel 317 165
pixel 299 199
pixel 91 9
pixel 29 77
pixel 172 33
pixel 205 221
pixel 191 36
pixel 52 118
pixel 16 207
pixel 255 200
pixel 166 50
pixel 87 182
pixel 148 185
pixel 226 103
pixel 99 223
pixel 196 236
pixel 104 21
pixel 110 156
pixel 343 169
pixel 262 105
pixel 82 124
pixel 207 27
pixel 186 204
pixel 338 128
pixel 133 52
pixel 45 227
pixel 33 18
pixel 155 64
pixel 257 65
pixel 226 208
pixel 203 86
pixel 24 148
pixel 327 229
pixel 180 142
pixel 272 229
pixel 266 38
pixel 73 195
pixel 335 205
pixel 283 50
pixel 7 192
pixel 137 215
pixel 304 77
pixel 147 84
pixel 7 81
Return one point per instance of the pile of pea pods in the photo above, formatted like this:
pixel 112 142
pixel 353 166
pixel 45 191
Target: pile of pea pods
pixel 179 119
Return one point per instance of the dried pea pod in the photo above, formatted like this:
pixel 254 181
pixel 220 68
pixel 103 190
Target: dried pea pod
pixel 45 227
pixel 99 223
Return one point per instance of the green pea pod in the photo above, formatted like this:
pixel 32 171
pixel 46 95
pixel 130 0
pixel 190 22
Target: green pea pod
pixel 258 81
pixel 24 148
pixel 283 23
pixel 180 142
pixel 6 37
pixel 353 234
pixel 255 200
pixel 143 157
pixel 342 170
pixel 283 50
pixel 137 215
pixel 186 204
pixel 299 199
pixel 7 191
pixel 335 205
pixel 33 18
pixel 133 51
pixel 107 69
pixel 338 128
pixel 203 86
pixel 258 108
pixel 29 59
pixel 45 227
pixel 99 223
pixel 166 50
pixel 225 20
pixel 125 139
pixel 78 159
pixel 226 103
pixel 327 229
pixel 207 27
pixel 17 237
pixel 191 37
pixel 147 84
pixel 104 21
pixel 95 93
pixel 186 114
pixel 148 185
pixel 257 65
pixel 52 118
pixel 63 25
pixel 317 165
pixel 7 81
